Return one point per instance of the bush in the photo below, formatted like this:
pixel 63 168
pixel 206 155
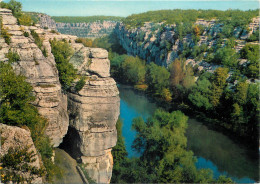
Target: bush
pixel 12 56
pixel 26 34
pixel 80 84
pixel 61 51
pixel 25 19
pixel 5 34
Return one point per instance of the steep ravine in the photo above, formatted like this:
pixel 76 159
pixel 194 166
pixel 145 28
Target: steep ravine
pixel 87 117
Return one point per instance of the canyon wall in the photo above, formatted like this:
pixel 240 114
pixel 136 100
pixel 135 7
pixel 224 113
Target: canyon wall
pixel 86 118
pixel 159 43
pixel 90 30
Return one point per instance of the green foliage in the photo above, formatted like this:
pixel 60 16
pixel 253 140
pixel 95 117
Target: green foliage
pixel 254 37
pixel 5 34
pixel 251 52
pixel 200 94
pixel 226 56
pixel 39 42
pixel 18 160
pixel 17 110
pixel 80 84
pixel 88 19
pixel 134 70
pixel 61 51
pixel 25 19
pixel 157 78
pixel 218 84
pixel 26 34
pixel 233 17
pixel 13 5
pixel 12 56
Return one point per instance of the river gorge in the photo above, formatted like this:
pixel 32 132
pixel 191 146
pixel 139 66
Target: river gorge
pixel 213 149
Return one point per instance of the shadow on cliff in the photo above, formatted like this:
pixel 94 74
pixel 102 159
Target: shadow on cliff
pixel 70 142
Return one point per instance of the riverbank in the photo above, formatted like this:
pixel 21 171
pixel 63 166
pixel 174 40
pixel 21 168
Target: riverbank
pixel 211 123
pixel 213 149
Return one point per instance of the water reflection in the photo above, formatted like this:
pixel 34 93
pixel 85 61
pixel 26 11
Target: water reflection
pixel 213 149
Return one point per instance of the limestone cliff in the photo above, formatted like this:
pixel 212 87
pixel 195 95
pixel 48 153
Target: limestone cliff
pixel 90 29
pixel 159 43
pixel 40 72
pixel 87 117
pixel 95 110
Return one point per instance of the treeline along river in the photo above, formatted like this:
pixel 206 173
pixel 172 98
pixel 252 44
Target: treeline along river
pixel 213 149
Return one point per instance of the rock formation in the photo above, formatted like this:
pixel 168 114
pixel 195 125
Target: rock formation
pixel 90 29
pixel 88 119
pixel 17 138
pixel 95 110
pixel 154 44
pixel 40 72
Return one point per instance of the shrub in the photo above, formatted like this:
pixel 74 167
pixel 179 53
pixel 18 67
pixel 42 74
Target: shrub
pixel 26 34
pixel 61 51
pixel 80 84
pixel 5 34
pixel 12 56
pixel 25 19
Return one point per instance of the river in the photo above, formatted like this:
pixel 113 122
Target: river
pixel 212 149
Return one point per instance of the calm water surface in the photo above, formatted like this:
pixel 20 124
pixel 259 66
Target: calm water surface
pixel 213 149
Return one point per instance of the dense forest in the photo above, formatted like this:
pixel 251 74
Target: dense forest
pixel 88 19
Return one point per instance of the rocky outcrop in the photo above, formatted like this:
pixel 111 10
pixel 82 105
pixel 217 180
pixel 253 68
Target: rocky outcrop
pixel 90 30
pixel 94 111
pixel 46 22
pixel 155 42
pixel 87 117
pixel 40 72
pixel 17 138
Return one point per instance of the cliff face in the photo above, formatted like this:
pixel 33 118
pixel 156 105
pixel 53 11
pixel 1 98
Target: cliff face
pixel 91 30
pixel 154 42
pixel 95 110
pixel 40 72
pixel 87 117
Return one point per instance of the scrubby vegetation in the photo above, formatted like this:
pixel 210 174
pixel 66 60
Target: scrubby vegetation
pixel 164 158
pixel 61 51
pixel 16 162
pixel 87 19
pixel 233 17
pixel 39 42
pixel 17 110
pixel 16 7
pixel 12 56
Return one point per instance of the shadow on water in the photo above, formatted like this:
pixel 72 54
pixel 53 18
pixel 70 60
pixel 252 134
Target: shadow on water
pixel 213 149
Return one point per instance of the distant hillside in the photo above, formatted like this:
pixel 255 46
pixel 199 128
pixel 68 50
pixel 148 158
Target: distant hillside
pixel 234 17
pixel 88 19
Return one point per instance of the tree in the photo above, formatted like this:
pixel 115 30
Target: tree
pixel 157 78
pixel 200 94
pixel 119 153
pixel 218 84
pixel 162 144
pixel 226 56
pixel 134 70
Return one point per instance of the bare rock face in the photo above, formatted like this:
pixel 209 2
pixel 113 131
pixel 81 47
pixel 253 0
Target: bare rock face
pixel 40 72
pixel 17 138
pixel 94 111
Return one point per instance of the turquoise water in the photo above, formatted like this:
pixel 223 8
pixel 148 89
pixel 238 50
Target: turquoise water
pixel 213 149
pixel 125 8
